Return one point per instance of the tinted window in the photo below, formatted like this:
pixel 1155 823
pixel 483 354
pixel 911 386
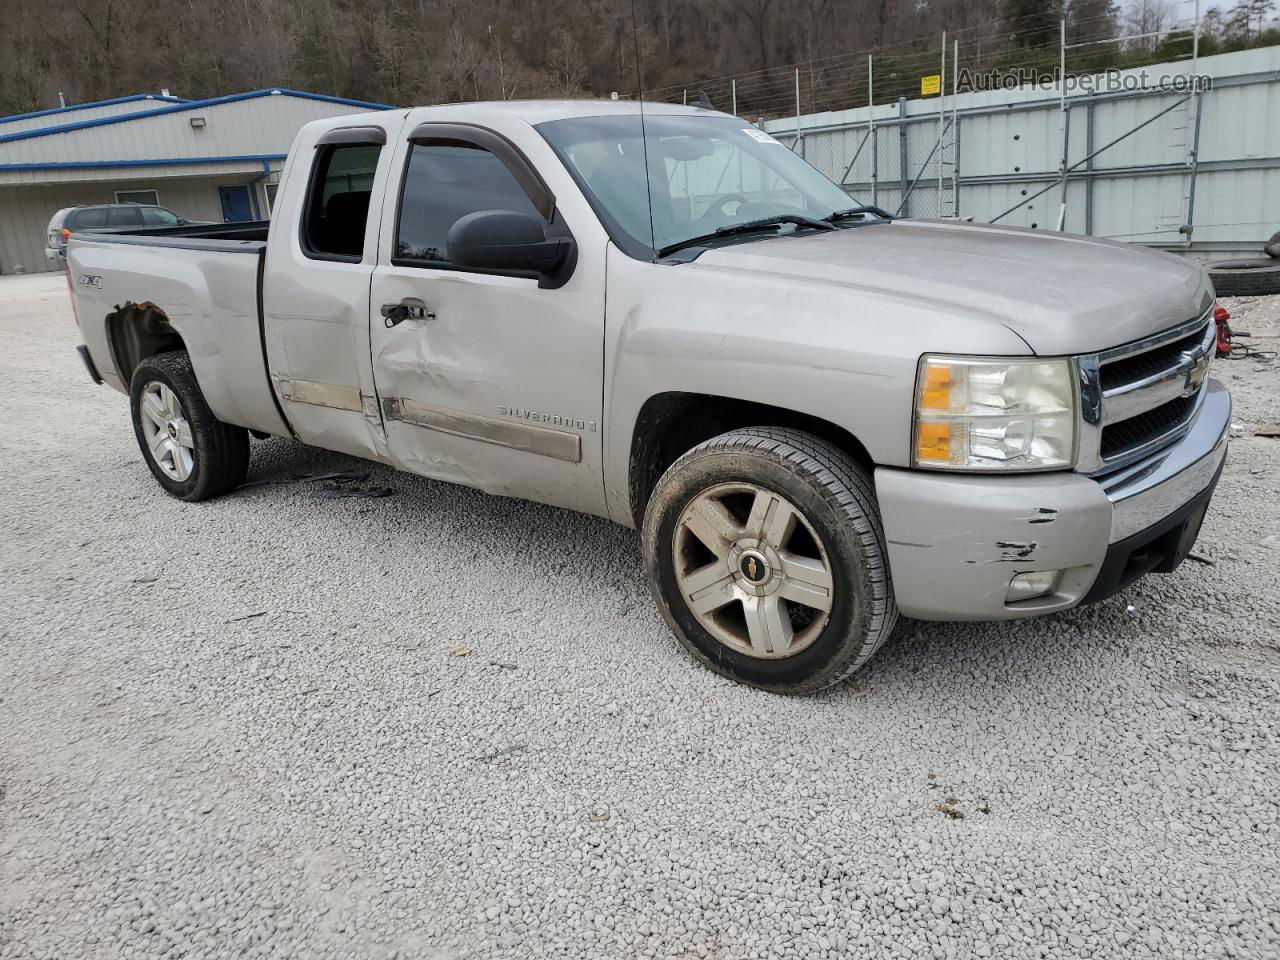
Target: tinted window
pixel 338 205
pixel 83 219
pixel 159 217
pixel 127 216
pixel 445 182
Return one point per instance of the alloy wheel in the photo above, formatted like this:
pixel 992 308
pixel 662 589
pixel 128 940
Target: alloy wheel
pixel 167 431
pixel 753 570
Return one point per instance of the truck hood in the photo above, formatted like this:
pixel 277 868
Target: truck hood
pixel 1062 294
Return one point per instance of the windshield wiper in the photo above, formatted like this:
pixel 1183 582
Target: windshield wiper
pixel 858 211
pixel 748 226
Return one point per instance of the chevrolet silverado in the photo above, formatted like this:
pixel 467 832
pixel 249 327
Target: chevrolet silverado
pixel 818 415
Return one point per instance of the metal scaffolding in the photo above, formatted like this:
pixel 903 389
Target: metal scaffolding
pixel 924 176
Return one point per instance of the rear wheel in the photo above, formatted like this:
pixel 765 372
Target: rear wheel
pixel 766 556
pixel 192 454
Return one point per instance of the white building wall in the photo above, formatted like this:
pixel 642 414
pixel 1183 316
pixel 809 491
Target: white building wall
pixel 88 162
pixel 77 112
pixel 250 127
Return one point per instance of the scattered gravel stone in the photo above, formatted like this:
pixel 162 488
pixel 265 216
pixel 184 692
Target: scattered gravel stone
pixel 326 781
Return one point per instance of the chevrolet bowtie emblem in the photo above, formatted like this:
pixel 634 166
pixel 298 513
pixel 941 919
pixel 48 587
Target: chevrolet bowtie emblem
pixel 1195 376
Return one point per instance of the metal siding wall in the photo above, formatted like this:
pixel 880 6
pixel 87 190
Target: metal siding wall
pixel 1247 197
pixel 1241 122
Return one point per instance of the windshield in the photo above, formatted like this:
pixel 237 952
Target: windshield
pixel 705 173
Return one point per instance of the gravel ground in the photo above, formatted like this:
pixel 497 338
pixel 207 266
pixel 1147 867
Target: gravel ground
pixel 447 725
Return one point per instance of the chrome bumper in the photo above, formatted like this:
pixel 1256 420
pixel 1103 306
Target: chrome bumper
pixel 1144 494
pixel 955 541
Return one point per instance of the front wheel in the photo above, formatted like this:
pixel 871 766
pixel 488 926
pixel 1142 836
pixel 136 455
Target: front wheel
pixel 766 555
pixel 192 454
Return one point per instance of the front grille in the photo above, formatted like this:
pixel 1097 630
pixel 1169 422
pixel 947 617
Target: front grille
pixel 1140 366
pixel 1132 396
pixel 1145 427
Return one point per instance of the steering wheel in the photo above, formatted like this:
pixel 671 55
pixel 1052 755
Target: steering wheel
pixel 719 203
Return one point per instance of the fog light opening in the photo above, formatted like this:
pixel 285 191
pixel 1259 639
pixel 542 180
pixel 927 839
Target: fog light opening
pixel 1028 586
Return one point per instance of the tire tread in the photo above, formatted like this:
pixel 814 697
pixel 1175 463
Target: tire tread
pixel 850 488
pixel 223 449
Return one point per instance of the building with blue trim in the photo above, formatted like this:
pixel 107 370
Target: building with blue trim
pixel 216 159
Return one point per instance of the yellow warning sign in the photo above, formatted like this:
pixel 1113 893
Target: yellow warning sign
pixel 930 85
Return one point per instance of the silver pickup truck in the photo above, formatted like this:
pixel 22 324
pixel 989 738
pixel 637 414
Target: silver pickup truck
pixel 817 415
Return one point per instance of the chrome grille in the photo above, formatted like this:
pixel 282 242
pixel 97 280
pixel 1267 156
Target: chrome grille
pixel 1140 397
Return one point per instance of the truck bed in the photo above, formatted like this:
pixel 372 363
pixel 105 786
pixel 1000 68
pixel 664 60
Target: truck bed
pixel 247 237
pixel 205 281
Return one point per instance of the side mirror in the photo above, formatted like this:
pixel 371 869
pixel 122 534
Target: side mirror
pixel 506 240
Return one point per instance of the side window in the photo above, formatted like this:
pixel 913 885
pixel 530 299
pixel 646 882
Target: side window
pixel 446 180
pixel 129 215
pixel 338 201
pixel 87 219
pixel 159 217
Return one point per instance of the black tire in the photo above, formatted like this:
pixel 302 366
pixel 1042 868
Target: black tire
pixel 221 451
pixel 836 498
pixel 1245 278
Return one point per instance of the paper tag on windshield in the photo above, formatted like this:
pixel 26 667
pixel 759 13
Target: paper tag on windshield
pixel 760 135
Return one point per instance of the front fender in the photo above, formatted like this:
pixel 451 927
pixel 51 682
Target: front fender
pixel 844 356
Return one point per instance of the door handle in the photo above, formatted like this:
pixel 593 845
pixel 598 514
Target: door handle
pixel 410 308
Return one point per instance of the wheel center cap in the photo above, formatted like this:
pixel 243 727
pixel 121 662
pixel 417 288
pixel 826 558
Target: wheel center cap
pixel 754 567
pixel 172 429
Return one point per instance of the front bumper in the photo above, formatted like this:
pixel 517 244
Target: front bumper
pixel 955 541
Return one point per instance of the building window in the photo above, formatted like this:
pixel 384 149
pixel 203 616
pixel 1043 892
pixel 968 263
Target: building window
pixel 337 208
pixel 137 196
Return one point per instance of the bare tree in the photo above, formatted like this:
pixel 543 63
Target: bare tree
pixel 1146 17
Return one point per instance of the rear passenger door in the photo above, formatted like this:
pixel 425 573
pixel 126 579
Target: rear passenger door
pixel 316 287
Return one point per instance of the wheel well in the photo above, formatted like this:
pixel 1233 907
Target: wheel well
pixel 137 331
pixel 671 423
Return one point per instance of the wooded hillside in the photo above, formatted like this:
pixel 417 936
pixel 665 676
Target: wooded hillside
pixel 427 51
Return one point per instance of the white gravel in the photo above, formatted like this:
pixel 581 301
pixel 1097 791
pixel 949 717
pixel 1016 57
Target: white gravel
pixel 333 779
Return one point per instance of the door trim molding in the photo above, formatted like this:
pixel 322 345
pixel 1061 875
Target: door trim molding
pixel 330 395
pixel 543 441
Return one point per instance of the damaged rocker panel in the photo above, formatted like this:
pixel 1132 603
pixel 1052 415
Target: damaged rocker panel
pixel 330 395
pixel 543 441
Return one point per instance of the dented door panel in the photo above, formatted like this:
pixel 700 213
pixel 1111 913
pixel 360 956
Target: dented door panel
pixel 498 383
pixel 501 390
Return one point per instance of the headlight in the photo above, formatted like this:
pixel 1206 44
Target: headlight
pixel 975 414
